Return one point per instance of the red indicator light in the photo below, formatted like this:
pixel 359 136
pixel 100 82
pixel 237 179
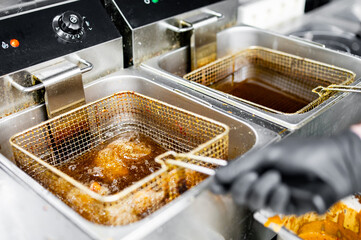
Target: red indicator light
pixel 14 43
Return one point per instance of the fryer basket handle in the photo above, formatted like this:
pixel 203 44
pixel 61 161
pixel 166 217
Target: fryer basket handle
pixel 320 90
pixel 178 159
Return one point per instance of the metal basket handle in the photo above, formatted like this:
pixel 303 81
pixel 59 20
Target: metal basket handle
pixel 177 159
pixel 320 90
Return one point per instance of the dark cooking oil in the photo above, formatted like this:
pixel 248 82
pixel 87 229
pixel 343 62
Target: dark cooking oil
pixel 260 92
pixel 112 169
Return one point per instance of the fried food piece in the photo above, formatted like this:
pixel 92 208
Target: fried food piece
pixel 131 149
pixel 80 201
pixel 86 206
pixel 139 205
pixel 145 200
pixel 121 214
pixel 193 178
pixel 176 183
pixel 112 167
pixel 58 185
pixel 338 223
pixel 95 187
pixel 114 159
pixel 180 180
pixel 98 188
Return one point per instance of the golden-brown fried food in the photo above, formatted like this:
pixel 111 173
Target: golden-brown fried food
pixel 131 149
pixel 114 159
pixel 141 204
pixel 108 169
pixel 121 214
pixel 86 206
pixel 338 223
pixel 193 177
pixel 145 200
pixel 98 188
pixel 111 165
pixel 180 180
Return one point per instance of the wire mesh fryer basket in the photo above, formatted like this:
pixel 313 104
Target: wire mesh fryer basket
pixel 41 151
pixel 289 74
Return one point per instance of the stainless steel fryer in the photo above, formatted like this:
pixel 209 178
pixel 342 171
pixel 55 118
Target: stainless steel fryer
pixel 151 28
pixel 197 208
pixel 235 39
pixel 103 49
pixel 245 136
pixel 299 77
pixel 42 150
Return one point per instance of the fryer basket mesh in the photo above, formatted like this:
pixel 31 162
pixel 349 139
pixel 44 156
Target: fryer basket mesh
pixel 41 150
pixel 289 73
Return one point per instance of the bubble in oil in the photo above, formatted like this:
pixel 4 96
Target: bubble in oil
pixel 72 167
pixel 96 172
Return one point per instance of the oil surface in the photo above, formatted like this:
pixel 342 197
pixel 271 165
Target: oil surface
pixel 116 164
pixel 260 92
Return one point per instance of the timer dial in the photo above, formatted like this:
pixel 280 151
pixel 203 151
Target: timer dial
pixel 69 26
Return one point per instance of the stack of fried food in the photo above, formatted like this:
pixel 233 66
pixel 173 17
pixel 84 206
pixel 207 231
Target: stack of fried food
pixel 340 222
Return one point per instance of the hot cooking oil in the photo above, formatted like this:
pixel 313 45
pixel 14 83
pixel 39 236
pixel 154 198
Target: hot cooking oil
pixel 271 80
pixel 261 92
pixel 116 163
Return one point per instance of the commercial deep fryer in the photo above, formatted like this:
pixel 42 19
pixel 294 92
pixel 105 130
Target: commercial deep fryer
pixel 255 135
pixel 150 28
pixel 203 214
pixel 45 151
pixel 71 44
pixel 230 41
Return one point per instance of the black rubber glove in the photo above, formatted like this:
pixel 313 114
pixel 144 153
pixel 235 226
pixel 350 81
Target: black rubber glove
pixel 297 175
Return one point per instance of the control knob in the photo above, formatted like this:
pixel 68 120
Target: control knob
pixel 69 26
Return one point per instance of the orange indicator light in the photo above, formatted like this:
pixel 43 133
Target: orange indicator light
pixel 14 43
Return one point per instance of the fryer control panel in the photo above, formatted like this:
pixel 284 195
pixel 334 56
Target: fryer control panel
pixel 56 30
pixel 142 12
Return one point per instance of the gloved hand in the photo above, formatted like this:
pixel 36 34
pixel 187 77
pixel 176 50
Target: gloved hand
pixel 296 175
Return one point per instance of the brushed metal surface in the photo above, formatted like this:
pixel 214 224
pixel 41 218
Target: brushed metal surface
pixel 106 58
pixel 245 137
pixel 174 65
pixel 64 89
pixel 151 40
